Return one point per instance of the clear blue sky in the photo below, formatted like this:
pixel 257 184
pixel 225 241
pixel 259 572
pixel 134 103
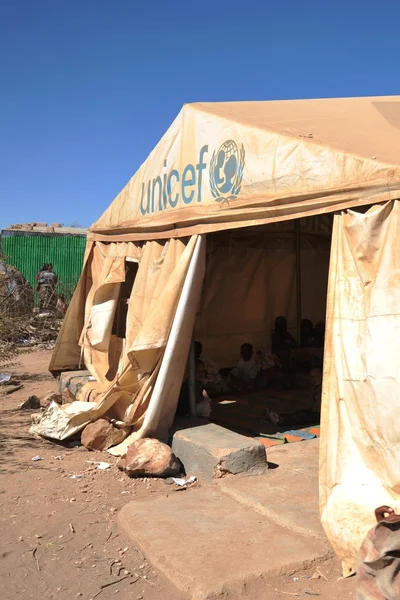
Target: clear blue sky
pixel 89 86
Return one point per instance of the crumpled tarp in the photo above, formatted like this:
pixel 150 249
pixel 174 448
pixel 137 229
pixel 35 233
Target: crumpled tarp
pixel 156 292
pixel 378 569
pixel 55 421
pixel 360 433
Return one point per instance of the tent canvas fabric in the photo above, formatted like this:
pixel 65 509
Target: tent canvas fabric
pixel 360 436
pixel 221 167
pixel 236 164
pixel 251 279
pixel 125 381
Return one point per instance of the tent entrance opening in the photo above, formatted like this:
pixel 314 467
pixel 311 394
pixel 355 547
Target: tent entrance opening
pixel 254 276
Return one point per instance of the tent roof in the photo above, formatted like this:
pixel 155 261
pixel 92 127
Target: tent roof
pixel 293 158
pixel 368 127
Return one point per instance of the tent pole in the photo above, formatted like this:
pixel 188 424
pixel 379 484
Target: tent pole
pixel 298 279
pixel 150 423
pixel 192 379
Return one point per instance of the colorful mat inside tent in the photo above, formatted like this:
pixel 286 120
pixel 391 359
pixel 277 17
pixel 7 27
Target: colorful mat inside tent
pixel 293 435
pixel 246 414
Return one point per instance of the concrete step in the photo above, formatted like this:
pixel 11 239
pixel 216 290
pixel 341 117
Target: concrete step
pixel 291 502
pixel 207 543
pixel 289 496
pixel 210 451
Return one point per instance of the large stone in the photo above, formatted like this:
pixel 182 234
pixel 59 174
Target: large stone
pixel 33 402
pixel 52 397
pixel 210 451
pixel 101 435
pixel 151 458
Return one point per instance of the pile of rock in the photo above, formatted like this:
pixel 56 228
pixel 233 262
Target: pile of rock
pixel 146 457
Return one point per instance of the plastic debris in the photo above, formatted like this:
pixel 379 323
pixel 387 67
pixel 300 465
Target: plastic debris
pixel 103 466
pixel 4 377
pixel 273 417
pixel 36 458
pixel 76 476
pixel 180 481
pixel 100 465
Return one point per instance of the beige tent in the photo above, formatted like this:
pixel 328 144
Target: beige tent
pixel 220 169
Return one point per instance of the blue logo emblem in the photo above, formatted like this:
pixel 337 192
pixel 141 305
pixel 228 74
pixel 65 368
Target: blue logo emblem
pixel 226 171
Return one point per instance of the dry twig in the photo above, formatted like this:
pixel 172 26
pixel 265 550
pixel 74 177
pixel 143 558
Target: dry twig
pixel 36 558
pixel 282 592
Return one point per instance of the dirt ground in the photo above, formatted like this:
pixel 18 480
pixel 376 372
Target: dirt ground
pixel 59 519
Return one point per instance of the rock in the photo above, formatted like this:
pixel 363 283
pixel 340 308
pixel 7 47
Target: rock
pixel 74 444
pixel 53 397
pixel 150 457
pixel 32 402
pixel 101 435
pixel 121 464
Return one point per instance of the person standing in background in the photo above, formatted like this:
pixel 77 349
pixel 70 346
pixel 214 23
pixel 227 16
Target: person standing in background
pixel 46 287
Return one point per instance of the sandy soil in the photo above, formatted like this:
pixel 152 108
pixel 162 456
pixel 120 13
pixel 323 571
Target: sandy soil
pixel 60 534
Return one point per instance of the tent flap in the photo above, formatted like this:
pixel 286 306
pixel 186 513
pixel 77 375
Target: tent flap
pixel 360 437
pixel 157 291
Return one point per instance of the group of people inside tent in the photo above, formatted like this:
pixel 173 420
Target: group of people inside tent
pixel 257 370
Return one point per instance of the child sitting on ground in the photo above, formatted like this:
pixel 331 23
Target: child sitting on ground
pixel 250 372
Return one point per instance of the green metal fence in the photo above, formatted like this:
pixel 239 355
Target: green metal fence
pixel 28 251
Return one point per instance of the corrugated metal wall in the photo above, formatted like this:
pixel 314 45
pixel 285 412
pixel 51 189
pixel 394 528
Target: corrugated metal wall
pixel 28 251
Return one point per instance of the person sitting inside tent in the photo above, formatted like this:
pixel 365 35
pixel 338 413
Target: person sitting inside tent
pixel 213 380
pixel 203 402
pixel 282 343
pixel 250 372
pixel 271 364
pixel 310 353
pixel 307 335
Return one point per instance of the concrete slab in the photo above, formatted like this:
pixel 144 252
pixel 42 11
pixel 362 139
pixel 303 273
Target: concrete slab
pixel 209 451
pixel 301 457
pixel 289 495
pixel 291 502
pixel 207 544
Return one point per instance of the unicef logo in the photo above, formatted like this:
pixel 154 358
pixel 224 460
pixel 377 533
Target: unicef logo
pixel 226 171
